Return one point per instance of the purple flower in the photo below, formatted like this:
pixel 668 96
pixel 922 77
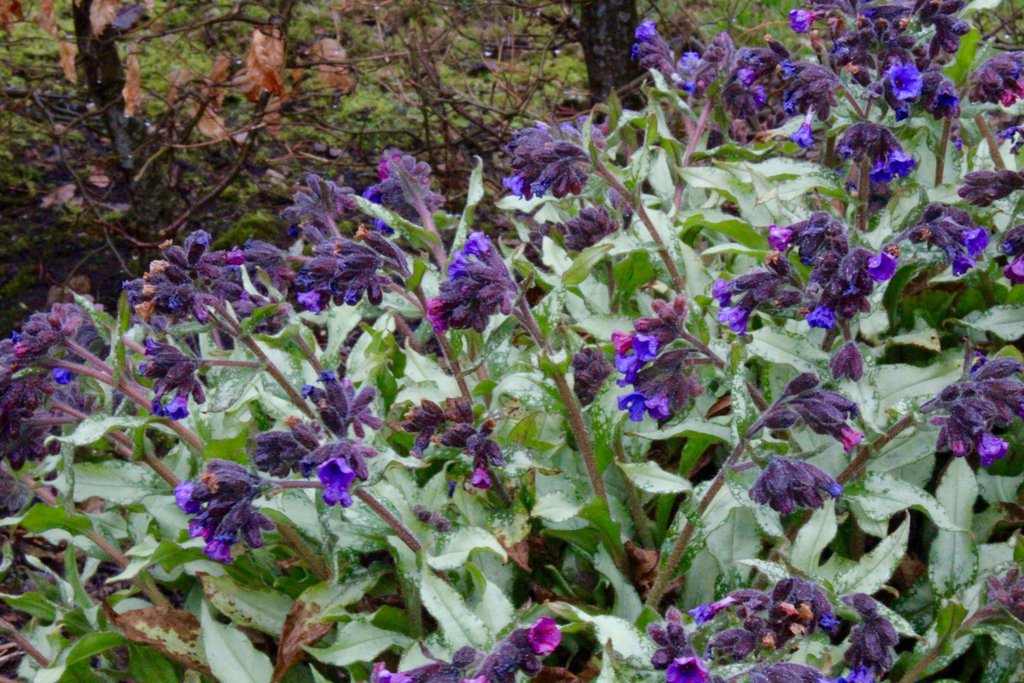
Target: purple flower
pixel 896 165
pixel 481 478
pixel 686 670
pixel 778 239
pixel 849 438
pixel 311 301
pixel 658 407
pixel 645 347
pixel 975 240
pixel 337 477
pixel 628 366
pixel 882 266
pixel 183 497
pixel 545 636
pixel 991 448
pixel 61 376
pixel 735 317
pixel 721 291
pixel 786 485
pixel 1014 271
pixel 646 31
pixel 635 404
pixel 823 317
pixel 702 614
pixel 800 20
pixel 177 409
pixel 382 675
pixel 759 95
pixel 906 81
pixel 803 136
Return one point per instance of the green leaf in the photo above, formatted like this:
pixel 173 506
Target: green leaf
pixel 953 557
pixel 474 194
pixel 779 346
pixel 1006 322
pixel 232 657
pixel 878 496
pixel 813 537
pixel 649 477
pixel 584 263
pixel 83 649
pixel 262 609
pixel 401 225
pixel 116 481
pixel 459 626
pixel 625 638
pixel 490 602
pixel 358 641
pixel 456 548
pixel 876 567
pixel 93 428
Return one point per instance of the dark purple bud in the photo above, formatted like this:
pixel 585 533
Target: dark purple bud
pixel 997 80
pixel 786 673
pixel 590 369
pixel 786 485
pixel 871 641
pixel 981 188
pixel 847 362
pixel 589 227
pixel 1008 591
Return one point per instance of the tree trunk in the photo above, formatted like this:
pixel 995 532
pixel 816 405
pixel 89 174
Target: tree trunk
pixel 606 32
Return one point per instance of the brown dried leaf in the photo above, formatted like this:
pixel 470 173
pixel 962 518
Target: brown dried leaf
pixel 58 197
pixel 174 632
pixel 98 178
pixel 519 552
pixel 643 566
pixel 218 75
pixel 68 53
pixel 722 406
pixel 272 118
pixel 176 80
pixel 264 64
pixel 101 14
pixel 333 75
pixel 132 91
pixel 10 11
pixel 47 17
pixel 303 626
pixel 555 674
pixel 212 125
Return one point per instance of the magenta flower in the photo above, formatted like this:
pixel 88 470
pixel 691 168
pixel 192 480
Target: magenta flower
pixel 849 438
pixel 778 239
pixel 545 636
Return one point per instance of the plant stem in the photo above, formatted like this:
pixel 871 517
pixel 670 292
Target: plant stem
pixel 940 160
pixel 863 191
pixel 993 143
pixel 865 453
pixel 668 568
pixel 636 509
pixel 28 648
pixel 293 540
pixel 396 525
pixel 218 363
pixel 307 351
pixel 755 393
pixel 641 212
pixel 572 406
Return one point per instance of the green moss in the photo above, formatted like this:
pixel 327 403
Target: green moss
pixel 261 225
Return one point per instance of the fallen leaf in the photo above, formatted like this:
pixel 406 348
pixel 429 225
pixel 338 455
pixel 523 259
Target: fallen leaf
pixel 59 196
pixel 643 566
pixel 264 64
pixel 10 11
pixel 47 17
pixel 272 118
pixel 101 14
pixel 519 552
pixel 176 80
pixel 303 626
pixel 132 91
pixel 68 53
pixel 98 178
pixel 212 125
pixel 330 56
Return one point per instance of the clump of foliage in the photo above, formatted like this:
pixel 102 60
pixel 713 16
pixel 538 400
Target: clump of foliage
pixel 734 398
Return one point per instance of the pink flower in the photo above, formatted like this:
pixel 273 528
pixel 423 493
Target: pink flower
pixel 622 341
pixel 545 636
pixel 850 438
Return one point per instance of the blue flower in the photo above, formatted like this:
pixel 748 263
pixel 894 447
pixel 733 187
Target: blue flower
pixel 759 95
pixel 779 237
pixel 896 165
pixel 658 407
pixel 177 409
pixel 827 621
pixel 478 244
pixel 628 366
pixel 721 292
pixel 735 317
pixel 961 264
pixel 61 376
pixel 906 81
pixel 183 498
pixel 515 184
pixel 635 404
pixel 991 448
pixel 702 614
pixel 310 300
pixel 788 70
pixel 458 267
pixel 646 31
pixel 645 347
pixel 337 477
pixel 800 20
pixel 881 266
pixel 823 317
pixel 803 136
pixel 975 240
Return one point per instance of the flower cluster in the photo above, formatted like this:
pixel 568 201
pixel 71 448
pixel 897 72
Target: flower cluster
pixel 872 640
pixel 174 372
pixel 404 188
pixel 320 205
pixel 823 411
pixel 659 369
pixel 1013 247
pixel 550 159
pixel 190 279
pixel 478 286
pixel 981 188
pixel 878 146
pixel 953 231
pixel 521 651
pixel 985 401
pixel 1008 592
pixel 785 485
pixel 453 426
pixel 998 79
pixel 221 500
pixel 775 286
pixel 344 270
pixel 589 227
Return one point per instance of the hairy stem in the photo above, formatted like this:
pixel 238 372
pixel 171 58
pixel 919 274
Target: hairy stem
pixel 940 160
pixel 863 192
pixel 572 406
pixel 641 212
pixel 990 138
pixel 396 525
pixel 8 629
pixel 291 539
pixel 865 453
pixel 636 509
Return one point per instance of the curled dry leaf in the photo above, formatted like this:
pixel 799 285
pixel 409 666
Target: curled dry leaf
pixel 272 118
pixel 212 125
pixel 10 11
pixel 176 80
pixel 329 57
pixel 47 17
pixel 218 75
pixel 68 53
pixel 58 197
pixel 132 91
pixel 101 14
pixel 264 64
pixel 303 626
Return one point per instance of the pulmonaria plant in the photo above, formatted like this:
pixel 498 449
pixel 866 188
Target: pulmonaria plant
pixel 988 399
pixel 478 286
pixel 454 426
